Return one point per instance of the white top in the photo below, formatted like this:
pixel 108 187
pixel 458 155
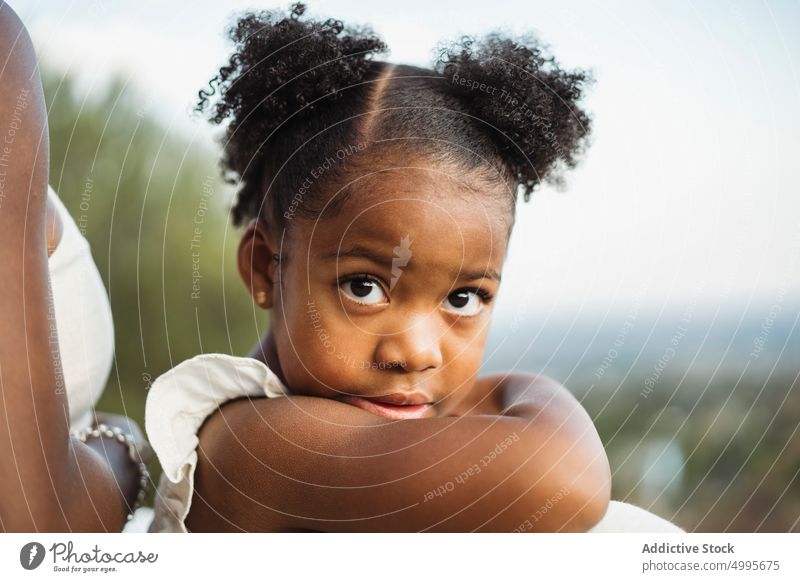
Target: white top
pixel 177 404
pixel 83 319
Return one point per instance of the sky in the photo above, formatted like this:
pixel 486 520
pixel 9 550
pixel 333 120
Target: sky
pixel 687 194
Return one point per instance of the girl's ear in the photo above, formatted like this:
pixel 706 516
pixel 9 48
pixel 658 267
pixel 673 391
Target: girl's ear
pixel 256 264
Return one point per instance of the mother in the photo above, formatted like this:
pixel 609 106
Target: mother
pixel 51 481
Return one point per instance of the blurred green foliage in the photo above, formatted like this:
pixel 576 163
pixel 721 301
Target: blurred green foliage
pixel 711 450
pixel 150 202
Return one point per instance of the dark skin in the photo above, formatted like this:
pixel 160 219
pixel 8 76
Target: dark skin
pixel 312 462
pixel 51 481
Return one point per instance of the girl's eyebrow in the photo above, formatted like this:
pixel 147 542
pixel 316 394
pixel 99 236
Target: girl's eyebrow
pixel 360 252
pixel 386 262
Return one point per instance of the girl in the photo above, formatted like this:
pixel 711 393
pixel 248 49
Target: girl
pixel 379 200
pixel 55 357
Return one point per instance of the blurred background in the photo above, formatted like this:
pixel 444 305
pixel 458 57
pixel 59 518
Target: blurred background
pixel 661 286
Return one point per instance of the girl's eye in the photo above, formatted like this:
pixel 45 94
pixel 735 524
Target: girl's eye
pixel 466 302
pixel 363 290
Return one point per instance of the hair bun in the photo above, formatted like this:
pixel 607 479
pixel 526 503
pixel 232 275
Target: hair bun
pixel 527 102
pixel 282 67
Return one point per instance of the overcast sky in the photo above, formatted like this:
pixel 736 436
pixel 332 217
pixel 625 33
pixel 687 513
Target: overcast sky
pixel 689 191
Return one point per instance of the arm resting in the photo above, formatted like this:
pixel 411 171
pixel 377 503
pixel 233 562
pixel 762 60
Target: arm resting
pixel 305 463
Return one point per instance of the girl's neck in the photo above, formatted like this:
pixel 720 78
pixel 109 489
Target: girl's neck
pixel 265 351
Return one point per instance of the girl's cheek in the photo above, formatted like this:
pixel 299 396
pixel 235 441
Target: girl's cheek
pixel 468 360
pixel 324 348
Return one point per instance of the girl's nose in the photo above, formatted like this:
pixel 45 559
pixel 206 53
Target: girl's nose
pixel 414 345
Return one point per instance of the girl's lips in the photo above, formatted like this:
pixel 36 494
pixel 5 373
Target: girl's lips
pixel 394 411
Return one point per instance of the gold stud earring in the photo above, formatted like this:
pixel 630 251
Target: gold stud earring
pixel 261 297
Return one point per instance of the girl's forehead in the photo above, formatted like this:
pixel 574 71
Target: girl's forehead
pixel 430 200
pixel 406 193
pixel 452 237
pixel 433 206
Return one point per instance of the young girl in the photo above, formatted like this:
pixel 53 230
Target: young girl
pixel 379 200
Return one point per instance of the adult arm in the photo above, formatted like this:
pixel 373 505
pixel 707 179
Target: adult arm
pixel 304 463
pixel 50 481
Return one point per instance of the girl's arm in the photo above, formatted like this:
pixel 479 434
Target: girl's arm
pixel 50 482
pixel 305 463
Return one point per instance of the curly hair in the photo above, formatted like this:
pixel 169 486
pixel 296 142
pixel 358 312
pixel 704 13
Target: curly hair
pixel 297 92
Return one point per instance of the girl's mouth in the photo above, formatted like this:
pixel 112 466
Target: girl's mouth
pixel 394 411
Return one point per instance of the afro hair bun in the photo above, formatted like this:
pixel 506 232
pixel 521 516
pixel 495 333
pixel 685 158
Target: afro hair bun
pixel 528 103
pixel 283 67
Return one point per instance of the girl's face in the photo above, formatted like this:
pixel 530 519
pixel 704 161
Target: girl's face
pixel 391 297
